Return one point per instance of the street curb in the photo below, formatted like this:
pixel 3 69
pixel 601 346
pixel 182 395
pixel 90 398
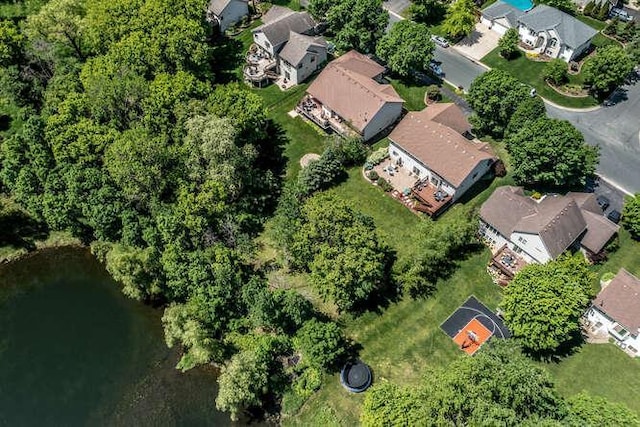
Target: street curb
pixel 575 110
pixel 614 184
pixel 475 61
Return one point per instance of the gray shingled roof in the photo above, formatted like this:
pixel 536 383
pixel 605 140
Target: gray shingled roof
pixel 218 6
pixel 298 46
pixel 278 30
pixel 571 31
pixel 501 9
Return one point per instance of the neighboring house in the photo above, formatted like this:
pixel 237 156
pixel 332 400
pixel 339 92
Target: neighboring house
pixel 430 146
pixel 289 39
pixel 543 29
pixel 615 312
pixel 540 230
pixel 501 16
pixel 348 98
pixel 225 13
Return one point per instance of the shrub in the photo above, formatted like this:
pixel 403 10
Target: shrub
pixel 373 175
pixel 378 156
pixel 536 195
pixel 433 92
pixel 508 43
pixel 321 344
pixel 321 174
pixel 588 9
pixel 607 276
pixel 602 11
pixel 556 71
pixel 350 151
pixel 384 185
pixel 308 382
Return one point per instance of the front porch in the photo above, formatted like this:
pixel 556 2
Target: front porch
pixel 504 264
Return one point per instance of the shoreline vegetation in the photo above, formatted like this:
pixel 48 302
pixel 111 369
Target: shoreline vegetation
pixel 56 240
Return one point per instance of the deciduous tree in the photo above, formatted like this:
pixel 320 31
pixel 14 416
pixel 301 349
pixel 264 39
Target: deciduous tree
pixel 406 47
pixel 631 215
pixel 357 24
pixel 530 110
pixel 508 43
pixel 321 344
pixel 494 96
pixel 555 71
pixel 461 19
pixel 543 303
pixel 607 69
pixel 551 152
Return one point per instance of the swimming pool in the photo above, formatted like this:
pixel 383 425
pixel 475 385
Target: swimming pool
pixel 520 4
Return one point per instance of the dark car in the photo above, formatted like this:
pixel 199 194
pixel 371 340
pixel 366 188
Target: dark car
pixel 614 216
pixel 603 202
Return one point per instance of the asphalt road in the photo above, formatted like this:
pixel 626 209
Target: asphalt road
pixel 616 130
pixel 458 70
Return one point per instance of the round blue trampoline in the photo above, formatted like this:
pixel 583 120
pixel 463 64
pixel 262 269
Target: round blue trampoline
pixel 356 376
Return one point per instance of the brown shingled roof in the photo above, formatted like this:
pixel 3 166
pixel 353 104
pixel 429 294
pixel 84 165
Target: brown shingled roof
pixel 448 114
pixel 359 63
pixel 620 300
pixel 599 231
pixel 354 96
pixel 438 147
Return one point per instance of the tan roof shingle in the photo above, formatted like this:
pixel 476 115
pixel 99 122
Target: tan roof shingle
pixel 620 300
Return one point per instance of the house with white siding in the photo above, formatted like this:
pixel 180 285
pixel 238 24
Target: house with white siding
pixel 543 30
pixel 615 313
pixel 521 230
pixel 286 44
pixel 348 98
pixel 430 145
pixel 224 13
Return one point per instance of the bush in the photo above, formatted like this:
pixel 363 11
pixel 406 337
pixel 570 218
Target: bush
pixel 307 383
pixel 384 185
pixel 378 156
pixel 373 175
pixel 321 344
pixel 588 9
pixel 555 71
pixel 350 151
pixel 322 173
pixel 602 11
pixel 607 276
pixel 433 93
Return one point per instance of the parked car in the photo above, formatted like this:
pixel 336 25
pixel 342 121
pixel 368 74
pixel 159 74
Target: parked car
pixel 614 216
pixel 621 14
pixel 436 69
pixel 603 202
pixel 440 41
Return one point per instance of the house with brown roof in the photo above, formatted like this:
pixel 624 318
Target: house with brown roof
pixel 287 44
pixel 540 230
pixel 430 146
pixel 349 98
pixel 615 312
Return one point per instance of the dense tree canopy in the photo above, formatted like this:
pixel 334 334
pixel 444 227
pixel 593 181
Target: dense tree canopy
pixel 551 152
pixel 494 97
pixel 543 303
pixel 555 71
pixel 340 248
pixel 461 18
pixel 427 11
pixel 321 344
pixel 607 69
pixel 406 47
pixel 508 43
pixel 529 110
pixel 631 215
pixel 356 24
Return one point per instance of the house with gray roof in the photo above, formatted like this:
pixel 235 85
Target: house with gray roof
pixel 540 230
pixel 290 39
pixel 554 33
pixel 224 13
pixel 501 16
pixel 544 30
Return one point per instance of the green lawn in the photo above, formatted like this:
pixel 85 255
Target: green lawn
pixel 602 370
pixel 530 72
pixel 411 92
pixel 600 40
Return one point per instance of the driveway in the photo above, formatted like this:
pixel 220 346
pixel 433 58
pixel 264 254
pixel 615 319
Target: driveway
pixel 479 43
pixel 396 7
pixel 616 130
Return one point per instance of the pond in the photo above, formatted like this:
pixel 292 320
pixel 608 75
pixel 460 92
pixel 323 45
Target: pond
pixel 75 351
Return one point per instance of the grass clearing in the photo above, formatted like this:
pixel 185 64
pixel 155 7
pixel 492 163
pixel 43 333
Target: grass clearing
pixel 531 72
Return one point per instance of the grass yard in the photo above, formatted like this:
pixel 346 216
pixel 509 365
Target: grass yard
pixel 412 93
pixel 602 370
pixel 530 72
pixel 600 40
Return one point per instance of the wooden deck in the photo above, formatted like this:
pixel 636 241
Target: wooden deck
pixel 433 200
pixel 505 264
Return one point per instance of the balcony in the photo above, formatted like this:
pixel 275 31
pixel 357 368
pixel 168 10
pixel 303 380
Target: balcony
pixel 323 117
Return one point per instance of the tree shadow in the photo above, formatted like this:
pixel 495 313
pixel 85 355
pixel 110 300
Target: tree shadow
pixel 229 57
pixel 19 230
pixel 566 349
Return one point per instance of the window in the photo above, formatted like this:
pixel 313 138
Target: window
pixel 532 33
pixel 313 59
pixel 394 153
pixel 474 175
pixel 621 331
pixel 299 65
pixel 553 43
pixel 267 44
pixel 434 180
pixel 416 170
pixel 517 249
pixel 522 240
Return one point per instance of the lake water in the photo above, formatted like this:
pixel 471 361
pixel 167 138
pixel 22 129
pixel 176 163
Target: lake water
pixel 75 351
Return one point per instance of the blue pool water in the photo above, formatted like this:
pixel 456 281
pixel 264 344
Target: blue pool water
pixel 520 4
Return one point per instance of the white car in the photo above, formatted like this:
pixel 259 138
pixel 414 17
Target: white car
pixel 621 14
pixel 440 41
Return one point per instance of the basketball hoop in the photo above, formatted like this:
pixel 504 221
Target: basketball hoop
pixel 472 338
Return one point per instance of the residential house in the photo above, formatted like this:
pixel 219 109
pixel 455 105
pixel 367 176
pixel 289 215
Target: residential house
pixel 349 98
pixel 288 43
pixel 544 30
pixel 224 13
pixel 615 313
pixel 521 230
pixel 430 146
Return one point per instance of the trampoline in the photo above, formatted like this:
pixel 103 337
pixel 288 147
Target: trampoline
pixel 355 376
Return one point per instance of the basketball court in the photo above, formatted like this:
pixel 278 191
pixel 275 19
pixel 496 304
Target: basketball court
pixel 473 324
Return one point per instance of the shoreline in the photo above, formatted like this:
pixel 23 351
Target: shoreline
pixel 56 240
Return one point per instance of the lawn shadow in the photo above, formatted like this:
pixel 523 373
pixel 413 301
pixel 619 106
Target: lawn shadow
pixel 229 57
pixel 566 349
